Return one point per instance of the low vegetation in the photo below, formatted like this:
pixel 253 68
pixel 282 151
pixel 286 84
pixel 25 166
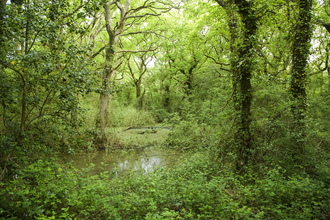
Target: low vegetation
pixel 239 88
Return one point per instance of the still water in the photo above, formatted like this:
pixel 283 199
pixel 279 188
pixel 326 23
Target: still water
pixel 124 161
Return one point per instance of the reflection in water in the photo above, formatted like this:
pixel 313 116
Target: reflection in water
pixel 122 162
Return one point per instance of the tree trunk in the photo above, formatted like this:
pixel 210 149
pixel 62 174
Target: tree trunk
pixel 300 54
pixel 109 70
pixel 105 95
pixel 2 15
pixel 167 97
pixel 25 51
pixel 2 52
pixel 189 83
pixel 106 79
pixel 23 114
pixel 244 89
pixel 241 61
pixel 138 93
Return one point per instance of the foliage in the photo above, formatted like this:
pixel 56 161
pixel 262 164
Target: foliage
pixel 193 66
pixel 46 71
pixel 198 188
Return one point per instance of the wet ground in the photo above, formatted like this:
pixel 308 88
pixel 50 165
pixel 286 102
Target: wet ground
pixel 121 162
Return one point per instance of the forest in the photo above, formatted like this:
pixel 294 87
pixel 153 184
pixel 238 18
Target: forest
pixel 235 91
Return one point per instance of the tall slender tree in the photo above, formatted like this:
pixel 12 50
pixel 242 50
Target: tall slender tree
pixel 130 15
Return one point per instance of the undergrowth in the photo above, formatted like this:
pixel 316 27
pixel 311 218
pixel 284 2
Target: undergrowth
pixel 198 188
pixel 119 115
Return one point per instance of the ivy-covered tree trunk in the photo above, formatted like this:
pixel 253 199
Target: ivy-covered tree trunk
pixel 244 89
pixel 242 57
pixel 300 54
pixel 2 15
pixel 229 6
pixel 2 54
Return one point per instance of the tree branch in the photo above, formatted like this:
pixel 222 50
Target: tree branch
pixel 137 32
pixel 149 14
pixel 76 10
pixel 99 51
pixel 217 62
pixel 136 51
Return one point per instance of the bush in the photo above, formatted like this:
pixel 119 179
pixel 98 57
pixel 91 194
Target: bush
pixel 198 188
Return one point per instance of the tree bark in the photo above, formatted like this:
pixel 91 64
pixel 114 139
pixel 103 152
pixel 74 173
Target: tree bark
pixel 300 54
pixel 138 92
pixel 2 52
pixel 109 69
pixel 114 33
pixel 26 51
pixel 241 66
pixel 2 15
pixel 245 67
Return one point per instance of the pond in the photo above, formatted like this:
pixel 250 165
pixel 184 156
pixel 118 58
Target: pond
pixel 121 162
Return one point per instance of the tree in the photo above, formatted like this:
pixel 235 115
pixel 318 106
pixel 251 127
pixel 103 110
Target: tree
pixel 130 15
pixel 242 66
pixel 184 51
pixel 300 53
pixel 136 74
pixel 43 70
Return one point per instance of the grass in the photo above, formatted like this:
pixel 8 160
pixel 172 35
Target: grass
pixel 119 119
pixel 120 137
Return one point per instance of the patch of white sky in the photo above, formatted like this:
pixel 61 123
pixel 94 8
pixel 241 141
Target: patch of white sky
pixel 316 44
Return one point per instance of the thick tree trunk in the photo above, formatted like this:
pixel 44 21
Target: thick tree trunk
pixel 243 79
pixel 109 70
pixel 241 61
pixel 105 95
pixel 300 54
pixel 106 79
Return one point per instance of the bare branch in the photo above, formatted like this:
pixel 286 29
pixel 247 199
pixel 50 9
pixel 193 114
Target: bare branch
pixel 136 51
pixel 118 65
pixel 217 62
pixel 91 25
pixel 182 83
pixel 76 10
pixel 149 14
pixel 35 36
pixel 137 32
pixel 99 51
pixel 17 71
